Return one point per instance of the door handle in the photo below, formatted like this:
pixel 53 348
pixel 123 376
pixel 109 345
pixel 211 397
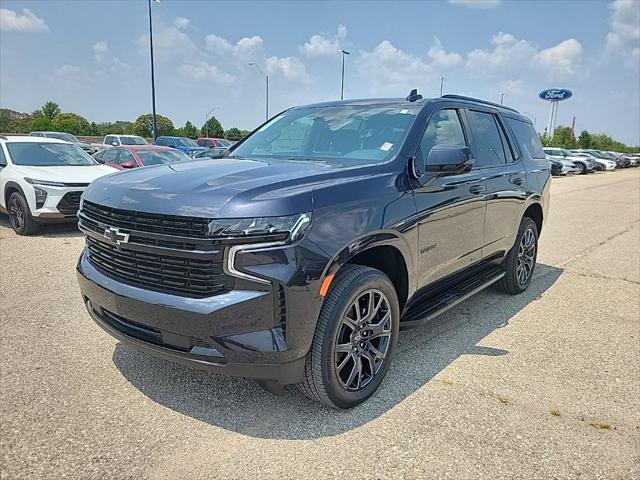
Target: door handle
pixel 476 189
pixel 517 180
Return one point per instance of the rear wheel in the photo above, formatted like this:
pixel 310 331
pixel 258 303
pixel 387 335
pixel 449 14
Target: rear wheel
pixel 20 216
pixel 581 168
pixel 355 338
pixel 521 259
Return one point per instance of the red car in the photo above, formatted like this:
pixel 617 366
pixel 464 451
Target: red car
pixel 132 156
pixel 214 142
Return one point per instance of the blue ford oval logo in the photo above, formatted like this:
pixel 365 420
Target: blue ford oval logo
pixel 555 94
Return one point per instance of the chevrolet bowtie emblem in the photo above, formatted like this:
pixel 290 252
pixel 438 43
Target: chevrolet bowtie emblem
pixel 116 236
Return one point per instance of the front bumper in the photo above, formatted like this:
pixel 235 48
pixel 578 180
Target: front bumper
pixel 236 333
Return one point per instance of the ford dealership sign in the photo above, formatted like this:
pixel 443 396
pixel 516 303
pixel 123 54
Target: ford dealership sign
pixel 555 94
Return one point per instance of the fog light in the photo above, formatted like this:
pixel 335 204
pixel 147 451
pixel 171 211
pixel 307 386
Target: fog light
pixel 41 197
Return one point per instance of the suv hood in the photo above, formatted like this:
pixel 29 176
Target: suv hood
pixel 221 188
pixel 70 174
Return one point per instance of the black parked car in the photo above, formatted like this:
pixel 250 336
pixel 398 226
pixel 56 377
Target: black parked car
pixel 296 258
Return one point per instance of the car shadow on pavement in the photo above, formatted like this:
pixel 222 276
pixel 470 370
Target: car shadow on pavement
pixel 49 230
pixel 240 405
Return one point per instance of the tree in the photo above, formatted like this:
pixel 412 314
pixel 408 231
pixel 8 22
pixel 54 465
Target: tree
pixel 212 128
pixel 41 123
pixel 189 130
pixel 50 110
pixel 563 138
pixel 235 134
pixel 143 125
pixel 71 123
pixel 584 140
pixel 14 122
pixel 545 139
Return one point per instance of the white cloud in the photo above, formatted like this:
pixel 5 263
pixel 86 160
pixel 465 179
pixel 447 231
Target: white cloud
pixel 324 45
pixel 390 69
pixel 27 22
pixel 439 57
pixel 481 4
pixel 181 22
pixel 169 42
pixel 247 48
pixel 561 59
pixel 289 67
pixel 70 77
pixel 624 37
pixel 201 71
pixel 507 52
pixel 99 50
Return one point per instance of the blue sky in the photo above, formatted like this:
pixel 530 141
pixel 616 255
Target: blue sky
pixel 92 57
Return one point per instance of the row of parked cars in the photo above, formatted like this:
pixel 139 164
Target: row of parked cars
pixel 583 161
pixel 43 175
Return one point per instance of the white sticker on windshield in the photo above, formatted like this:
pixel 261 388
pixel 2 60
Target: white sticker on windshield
pixel 404 111
pixel 386 146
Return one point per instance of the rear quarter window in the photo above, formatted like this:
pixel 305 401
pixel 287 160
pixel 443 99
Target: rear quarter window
pixel 527 137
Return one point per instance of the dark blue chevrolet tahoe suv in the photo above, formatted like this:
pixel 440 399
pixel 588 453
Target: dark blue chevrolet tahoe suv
pixel 297 257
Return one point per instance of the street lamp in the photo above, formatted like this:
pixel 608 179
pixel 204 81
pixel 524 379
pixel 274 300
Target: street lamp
pixel 343 52
pixel 153 83
pixel 266 78
pixel 206 122
pixel 501 98
pixel 441 84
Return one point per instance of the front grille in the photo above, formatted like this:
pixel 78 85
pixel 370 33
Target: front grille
pixel 69 204
pixel 147 222
pixel 166 273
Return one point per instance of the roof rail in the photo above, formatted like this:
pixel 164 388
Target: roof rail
pixel 471 99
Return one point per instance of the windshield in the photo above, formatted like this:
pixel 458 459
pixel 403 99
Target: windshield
pixel 67 137
pixel 133 141
pixel 345 134
pixel 212 153
pixel 186 142
pixel 48 154
pixel 223 142
pixel 151 157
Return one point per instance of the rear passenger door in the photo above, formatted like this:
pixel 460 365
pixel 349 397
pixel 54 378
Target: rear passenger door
pixel 505 178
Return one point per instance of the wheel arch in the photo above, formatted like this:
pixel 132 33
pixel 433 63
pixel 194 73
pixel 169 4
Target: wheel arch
pixel 535 212
pixel 385 251
pixel 9 188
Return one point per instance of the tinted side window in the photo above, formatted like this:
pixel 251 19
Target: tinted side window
pixel 444 128
pixel 108 140
pixel 490 150
pixel 109 155
pixel 526 137
pixel 126 156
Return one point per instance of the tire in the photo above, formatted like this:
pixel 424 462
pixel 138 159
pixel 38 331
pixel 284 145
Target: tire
pixel 582 170
pixel 329 369
pixel 20 216
pixel 513 281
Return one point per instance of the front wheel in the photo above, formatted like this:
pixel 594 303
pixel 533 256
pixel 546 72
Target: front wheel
pixel 355 338
pixel 20 216
pixel 521 259
pixel 581 169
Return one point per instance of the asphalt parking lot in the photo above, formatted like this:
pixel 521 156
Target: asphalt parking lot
pixel 541 385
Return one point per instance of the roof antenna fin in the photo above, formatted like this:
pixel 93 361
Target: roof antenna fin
pixel 413 96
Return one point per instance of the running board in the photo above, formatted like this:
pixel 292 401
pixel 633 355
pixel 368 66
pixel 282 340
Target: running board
pixel 439 302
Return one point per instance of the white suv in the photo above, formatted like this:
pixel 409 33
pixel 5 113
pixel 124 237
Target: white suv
pixel 42 179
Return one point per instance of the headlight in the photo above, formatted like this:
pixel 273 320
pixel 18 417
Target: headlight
pixel 41 197
pixel 44 183
pixel 274 228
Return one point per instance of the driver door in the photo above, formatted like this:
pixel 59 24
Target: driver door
pixel 451 209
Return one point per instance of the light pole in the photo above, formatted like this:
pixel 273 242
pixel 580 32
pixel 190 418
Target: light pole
pixel 501 98
pixel 266 79
pixel 153 83
pixel 441 84
pixel 343 52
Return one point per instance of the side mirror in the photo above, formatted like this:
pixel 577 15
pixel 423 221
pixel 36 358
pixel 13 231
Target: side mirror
pixel 127 164
pixel 449 160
